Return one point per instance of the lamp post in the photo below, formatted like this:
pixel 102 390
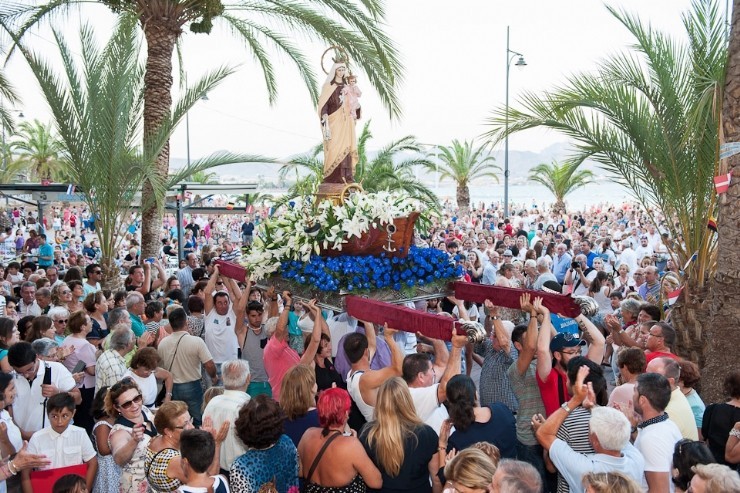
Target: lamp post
pixel 510 55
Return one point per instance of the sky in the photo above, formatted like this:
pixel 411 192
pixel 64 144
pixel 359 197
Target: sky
pixel 454 62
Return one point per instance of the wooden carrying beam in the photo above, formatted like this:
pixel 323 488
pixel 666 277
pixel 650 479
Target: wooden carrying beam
pixel 559 304
pixel 400 317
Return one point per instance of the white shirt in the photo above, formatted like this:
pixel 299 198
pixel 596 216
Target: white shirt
pixel 656 443
pixel 148 386
pixel 70 448
pixel 222 408
pixel 429 410
pixel 220 335
pixel 29 409
pixel 32 309
pixel 14 433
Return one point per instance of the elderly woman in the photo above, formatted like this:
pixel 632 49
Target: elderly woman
pixel 80 325
pixel 343 466
pixel 298 400
pixel 399 444
pixel 271 456
pixel 131 434
pixel 59 317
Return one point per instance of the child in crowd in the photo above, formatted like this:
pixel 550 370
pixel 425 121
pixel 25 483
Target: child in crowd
pixel 109 473
pixel 197 448
pixel 65 444
pixel 71 483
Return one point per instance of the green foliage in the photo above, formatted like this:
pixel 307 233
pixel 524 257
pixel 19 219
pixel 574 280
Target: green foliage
pixel 39 150
pixel 97 105
pixel 560 179
pixel 8 98
pixel 203 177
pixel 650 116
pixel 463 163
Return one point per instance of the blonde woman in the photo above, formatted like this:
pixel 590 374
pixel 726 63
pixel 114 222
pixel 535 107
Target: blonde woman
pixel 610 482
pixel 399 444
pixel 298 400
pixel 471 470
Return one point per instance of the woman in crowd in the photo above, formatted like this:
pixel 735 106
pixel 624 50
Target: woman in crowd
pixel 10 435
pixel 162 463
pixel 610 482
pixel 298 400
pixel 494 423
pixel 96 306
pixel 8 337
pixel 78 293
pixel 60 318
pixel 599 290
pixel 474 267
pixel 333 460
pixel 719 419
pixel 79 326
pixel 470 470
pixel 688 379
pixel 326 375
pixel 131 433
pixel 41 326
pixel 622 279
pixel 144 370
pixel 196 319
pixel 399 444
pixel 24 326
pixel 109 473
pixel 271 456
pixel 687 454
pixel 61 295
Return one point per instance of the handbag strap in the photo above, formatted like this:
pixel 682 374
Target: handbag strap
pixel 172 361
pixel 320 454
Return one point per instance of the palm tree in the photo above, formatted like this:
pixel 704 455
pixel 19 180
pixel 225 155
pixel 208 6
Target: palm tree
pixel 560 179
pixel 11 169
pixel 651 117
pixel 203 177
pixel 39 150
pixel 724 288
pixel 97 109
pixel 383 172
pixel 8 97
pixel 263 25
pixel 463 163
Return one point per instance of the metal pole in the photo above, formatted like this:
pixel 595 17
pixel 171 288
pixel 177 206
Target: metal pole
pixel 506 135
pixel 179 225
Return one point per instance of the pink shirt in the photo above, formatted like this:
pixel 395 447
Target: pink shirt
pixel 279 358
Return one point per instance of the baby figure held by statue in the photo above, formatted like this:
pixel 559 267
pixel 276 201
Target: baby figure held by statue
pixel 350 97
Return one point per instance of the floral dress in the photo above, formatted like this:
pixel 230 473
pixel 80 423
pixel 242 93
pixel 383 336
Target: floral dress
pixel 133 475
pixel 109 473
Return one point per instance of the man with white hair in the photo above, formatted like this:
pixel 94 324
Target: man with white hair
pixel 561 262
pixel 609 435
pixel 136 305
pixel 225 407
pixel 543 273
pixel 628 255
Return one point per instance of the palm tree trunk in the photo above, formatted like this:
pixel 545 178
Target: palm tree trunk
pixel 463 199
pixel 724 294
pixel 559 206
pixel 160 38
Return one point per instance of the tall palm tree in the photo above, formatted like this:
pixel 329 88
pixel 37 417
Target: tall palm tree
pixel 97 109
pixel 8 97
pixel 39 150
pixel 463 163
pixel 384 171
pixel 651 117
pixel 560 179
pixel 724 292
pixel 264 26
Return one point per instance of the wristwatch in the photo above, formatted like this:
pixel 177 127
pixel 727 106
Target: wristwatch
pixel 565 407
pixel 495 317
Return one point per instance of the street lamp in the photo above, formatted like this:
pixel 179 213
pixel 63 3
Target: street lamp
pixel 510 55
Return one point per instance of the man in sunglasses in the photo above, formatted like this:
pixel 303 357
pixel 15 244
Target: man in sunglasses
pixel 35 382
pixel 94 274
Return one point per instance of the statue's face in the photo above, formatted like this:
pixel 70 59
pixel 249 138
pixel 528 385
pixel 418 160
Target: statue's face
pixel 339 74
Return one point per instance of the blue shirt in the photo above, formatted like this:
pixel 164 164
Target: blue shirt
pixel 560 266
pixel 46 250
pixel 590 258
pixel 564 325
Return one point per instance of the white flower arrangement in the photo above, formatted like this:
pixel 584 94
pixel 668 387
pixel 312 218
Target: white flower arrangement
pixel 285 237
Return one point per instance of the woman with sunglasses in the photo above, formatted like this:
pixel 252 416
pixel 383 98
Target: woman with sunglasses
pixel 163 465
pixel 131 433
pixel 61 295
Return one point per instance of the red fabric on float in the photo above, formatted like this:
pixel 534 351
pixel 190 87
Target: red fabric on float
pixel 231 270
pixel 400 317
pixel 559 304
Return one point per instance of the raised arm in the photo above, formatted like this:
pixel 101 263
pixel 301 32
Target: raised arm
pixel 529 342
pixel 453 364
pixel 597 343
pixel 161 275
pixel 313 346
pixel 209 290
pixel 544 358
pixel 502 335
pixel 281 331
pixel 372 339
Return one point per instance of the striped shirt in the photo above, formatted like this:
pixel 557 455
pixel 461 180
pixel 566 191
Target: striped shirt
pixel 575 431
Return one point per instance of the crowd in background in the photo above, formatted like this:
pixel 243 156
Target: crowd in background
pixel 186 380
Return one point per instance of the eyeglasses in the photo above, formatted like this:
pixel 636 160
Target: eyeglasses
pixel 64 321
pixel 570 353
pixel 186 425
pixel 128 404
pixel 66 291
pixel 97 272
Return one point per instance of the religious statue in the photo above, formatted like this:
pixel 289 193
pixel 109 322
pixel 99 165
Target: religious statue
pixel 338 111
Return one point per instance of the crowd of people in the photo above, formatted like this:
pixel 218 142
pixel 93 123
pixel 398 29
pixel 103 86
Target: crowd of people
pixel 187 380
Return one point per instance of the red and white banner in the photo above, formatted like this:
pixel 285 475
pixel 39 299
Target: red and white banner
pixel 722 182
